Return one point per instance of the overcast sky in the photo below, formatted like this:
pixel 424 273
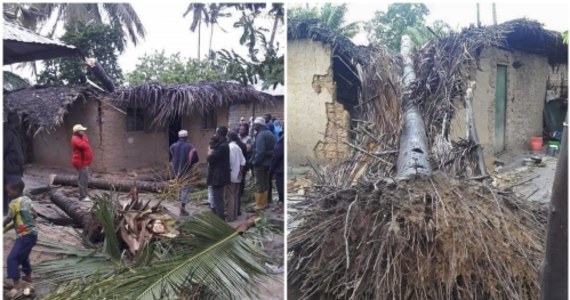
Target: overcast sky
pixel 167 30
pixel 554 15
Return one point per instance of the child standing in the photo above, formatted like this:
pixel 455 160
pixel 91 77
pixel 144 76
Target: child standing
pixel 22 214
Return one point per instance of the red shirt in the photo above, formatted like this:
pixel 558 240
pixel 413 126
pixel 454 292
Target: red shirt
pixel 82 155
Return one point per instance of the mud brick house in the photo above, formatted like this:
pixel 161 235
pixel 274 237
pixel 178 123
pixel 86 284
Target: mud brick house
pixel 322 89
pixel 515 77
pixel 132 128
pixel 514 81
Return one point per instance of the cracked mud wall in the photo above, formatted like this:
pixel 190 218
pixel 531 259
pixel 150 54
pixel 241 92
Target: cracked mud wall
pixel 311 107
pixel 526 90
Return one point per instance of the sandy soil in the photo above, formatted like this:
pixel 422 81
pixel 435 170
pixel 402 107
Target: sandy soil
pixel 36 177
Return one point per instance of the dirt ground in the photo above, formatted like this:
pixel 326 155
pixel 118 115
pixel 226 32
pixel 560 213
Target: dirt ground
pixel 36 177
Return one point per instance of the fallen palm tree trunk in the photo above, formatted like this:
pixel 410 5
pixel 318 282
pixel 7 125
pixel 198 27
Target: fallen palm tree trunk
pixel 84 218
pixel 413 158
pixel 113 185
pixel 363 235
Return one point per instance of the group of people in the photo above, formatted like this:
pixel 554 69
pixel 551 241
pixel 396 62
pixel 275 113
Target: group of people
pixel 231 154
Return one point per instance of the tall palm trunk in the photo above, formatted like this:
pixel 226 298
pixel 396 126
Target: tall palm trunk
pixel 211 38
pixel 494 14
pixel 413 157
pixel 273 31
pixel 199 36
pixel 478 15
pixel 554 277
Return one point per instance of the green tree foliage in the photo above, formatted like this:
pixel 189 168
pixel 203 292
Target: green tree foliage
pixel 103 42
pixel 330 14
pixel 565 37
pixel 35 15
pixel 400 19
pixel 263 61
pixel 173 69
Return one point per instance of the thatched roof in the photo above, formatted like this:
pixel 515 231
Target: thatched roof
pixel 531 37
pixel 315 30
pixel 166 102
pixel 45 107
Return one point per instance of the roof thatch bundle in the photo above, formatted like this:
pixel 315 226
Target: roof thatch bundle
pixel 363 235
pixel 166 102
pixel 45 107
pixel 314 30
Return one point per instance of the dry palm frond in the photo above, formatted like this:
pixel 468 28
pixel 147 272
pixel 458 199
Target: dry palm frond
pixel 163 103
pixel 363 235
pixel 429 239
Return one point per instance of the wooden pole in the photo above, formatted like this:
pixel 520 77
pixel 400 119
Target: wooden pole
pixel 554 271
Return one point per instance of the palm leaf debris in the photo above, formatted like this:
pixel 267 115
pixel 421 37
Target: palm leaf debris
pixel 364 235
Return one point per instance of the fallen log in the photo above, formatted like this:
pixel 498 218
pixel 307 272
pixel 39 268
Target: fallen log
pixel 116 184
pixel 86 219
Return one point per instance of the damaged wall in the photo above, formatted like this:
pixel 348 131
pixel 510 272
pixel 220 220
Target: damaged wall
pixel 333 148
pixel 526 89
pixel 312 109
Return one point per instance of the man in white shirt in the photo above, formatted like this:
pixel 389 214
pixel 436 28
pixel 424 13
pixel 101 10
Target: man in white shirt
pixel 237 164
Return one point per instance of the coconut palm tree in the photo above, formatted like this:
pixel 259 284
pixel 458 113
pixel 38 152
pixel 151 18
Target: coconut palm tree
pixel 199 13
pixel 34 16
pixel 278 12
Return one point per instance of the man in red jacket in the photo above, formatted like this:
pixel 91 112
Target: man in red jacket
pixel 81 158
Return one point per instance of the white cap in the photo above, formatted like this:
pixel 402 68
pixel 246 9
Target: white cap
pixel 79 127
pixel 182 133
pixel 259 120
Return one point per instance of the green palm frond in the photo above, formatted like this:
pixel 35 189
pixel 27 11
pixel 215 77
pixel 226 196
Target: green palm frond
pixel 213 255
pixel 104 209
pixel 14 82
pixel 210 258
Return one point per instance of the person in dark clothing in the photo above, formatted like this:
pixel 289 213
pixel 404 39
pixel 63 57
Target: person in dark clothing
pixel 261 161
pixel 219 168
pixel 277 168
pixel 13 154
pixel 184 157
pixel 269 123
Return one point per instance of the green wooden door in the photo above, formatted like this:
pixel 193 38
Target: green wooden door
pixel 500 108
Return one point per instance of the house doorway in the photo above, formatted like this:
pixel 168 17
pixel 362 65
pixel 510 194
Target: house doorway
pixel 173 129
pixel 500 108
